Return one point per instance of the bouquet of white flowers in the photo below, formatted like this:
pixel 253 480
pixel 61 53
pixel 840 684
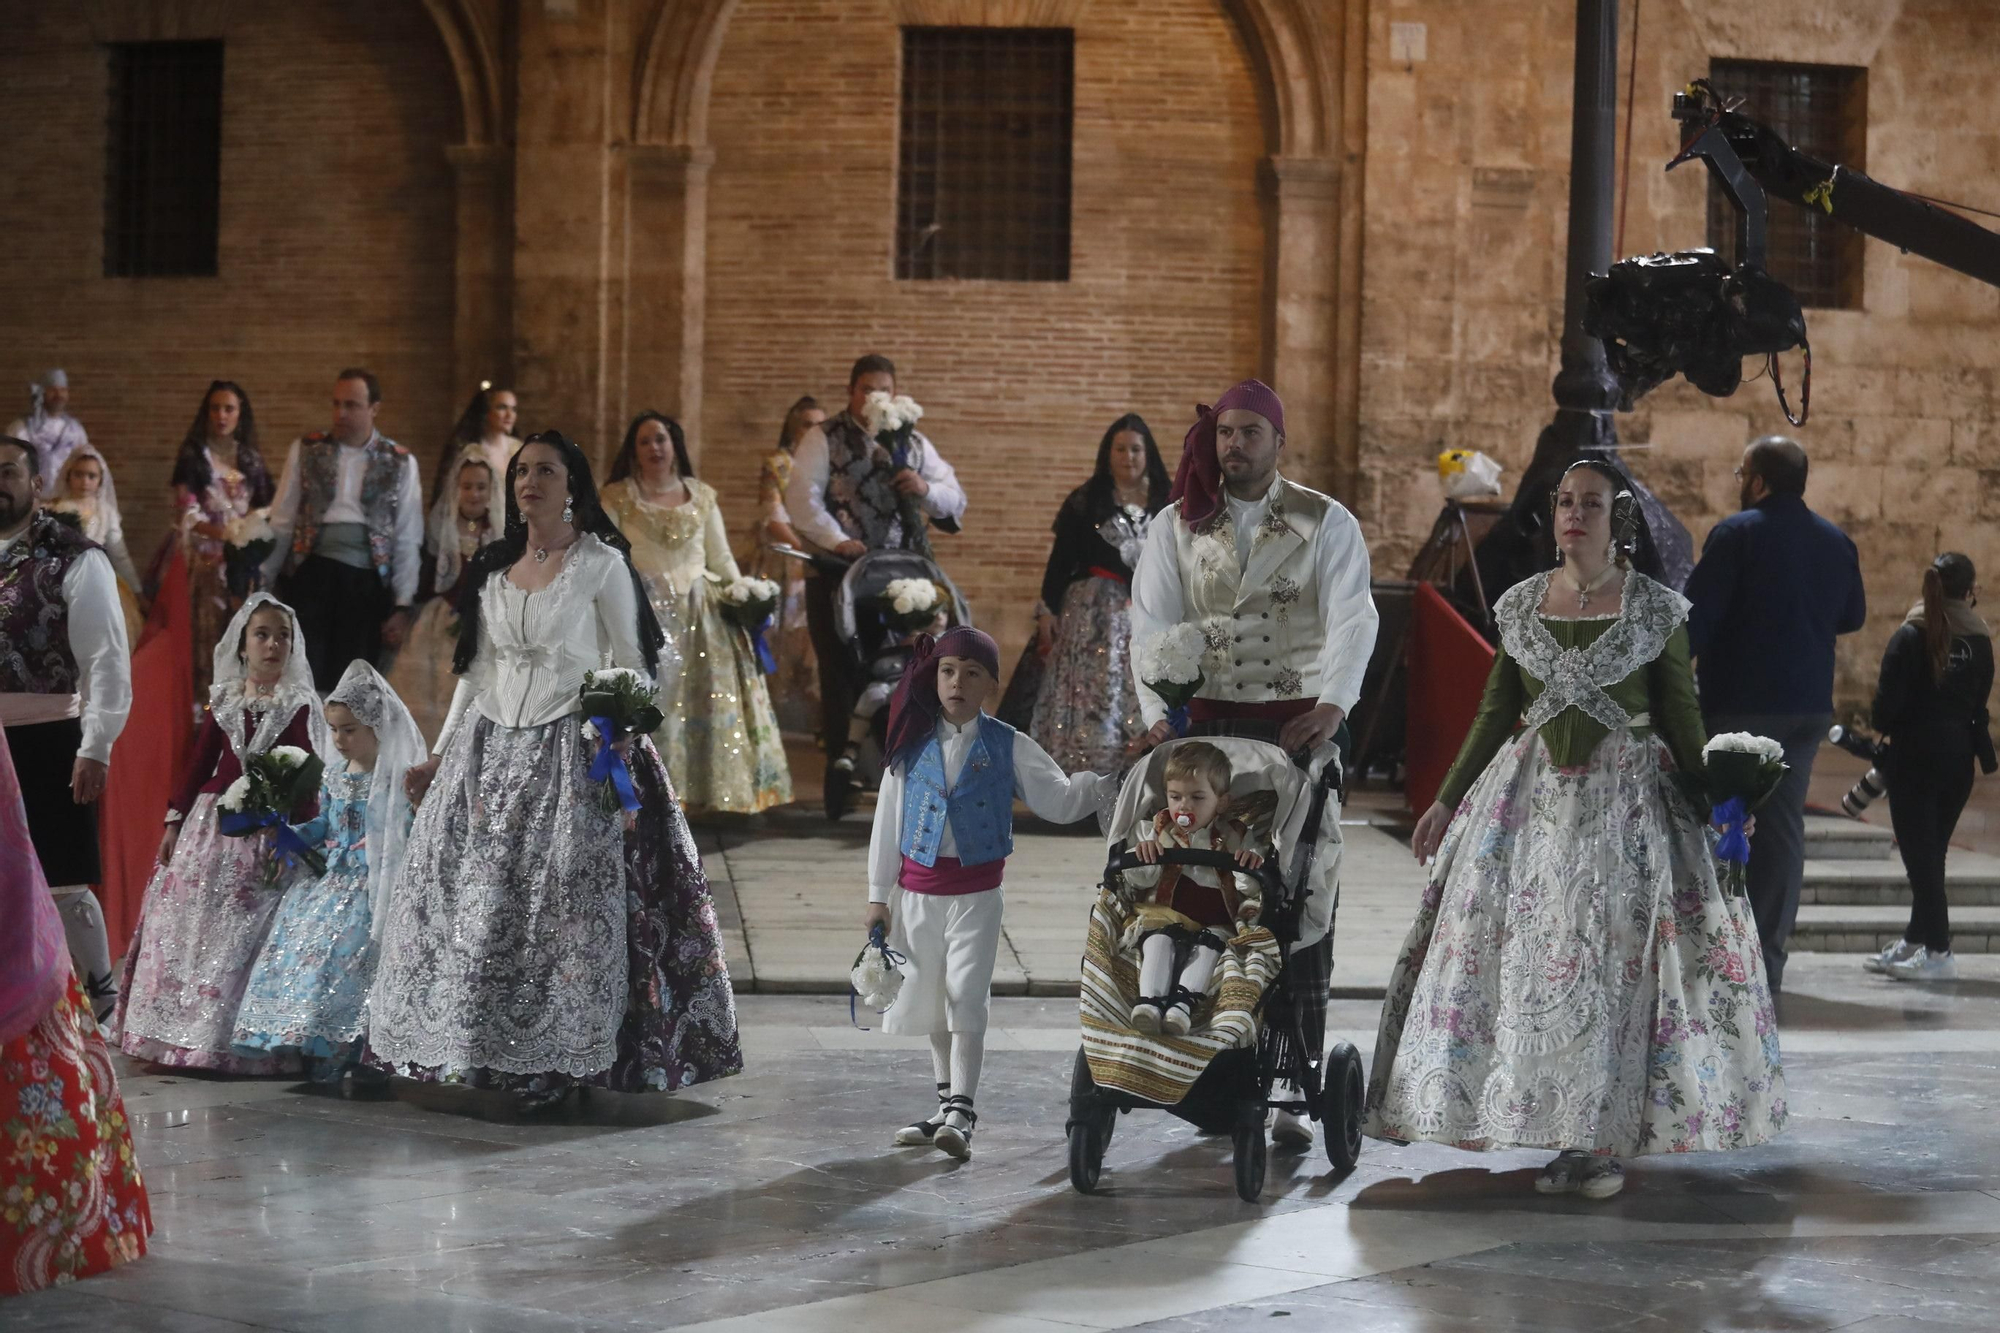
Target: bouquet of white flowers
pixel 1170 664
pixel 877 975
pixel 911 604
pixel 890 418
pixel 750 605
pixel 273 785
pixel 620 703
pixel 247 542
pixel 1742 772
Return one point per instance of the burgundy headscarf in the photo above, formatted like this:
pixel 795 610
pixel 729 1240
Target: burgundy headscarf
pixel 1198 484
pixel 913 708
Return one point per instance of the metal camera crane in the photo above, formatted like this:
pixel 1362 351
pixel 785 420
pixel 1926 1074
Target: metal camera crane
pixel 1691 313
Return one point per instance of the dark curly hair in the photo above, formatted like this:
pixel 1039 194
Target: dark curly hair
pixel 191 468
pixel 626 462
pixel 586 515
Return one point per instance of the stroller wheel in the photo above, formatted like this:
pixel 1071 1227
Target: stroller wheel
pixel 1340 1106
pixel 1250 1159
pixel 1086 1155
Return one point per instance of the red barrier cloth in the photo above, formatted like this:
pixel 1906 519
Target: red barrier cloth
pixel 1448 663
pixel 149 754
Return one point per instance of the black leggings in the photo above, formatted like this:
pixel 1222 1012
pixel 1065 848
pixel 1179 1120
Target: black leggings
pixel 1928 789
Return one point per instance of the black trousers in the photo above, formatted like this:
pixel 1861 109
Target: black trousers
pixel 64 833
pixel 1928 789
pixel 836 671
pixel 341 610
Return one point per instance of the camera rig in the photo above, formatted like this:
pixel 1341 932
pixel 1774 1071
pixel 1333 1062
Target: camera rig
pixel 1693 314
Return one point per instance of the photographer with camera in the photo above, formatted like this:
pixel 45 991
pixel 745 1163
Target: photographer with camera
pixel 1931 705
pixel 1775 585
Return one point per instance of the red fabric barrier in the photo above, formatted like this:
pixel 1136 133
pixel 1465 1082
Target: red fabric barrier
pixel 149 754
pixel 1448 663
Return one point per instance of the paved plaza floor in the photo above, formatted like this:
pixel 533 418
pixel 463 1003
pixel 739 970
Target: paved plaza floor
pixel 771 1202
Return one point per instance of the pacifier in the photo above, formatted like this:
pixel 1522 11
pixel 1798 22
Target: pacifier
pixel 1184 819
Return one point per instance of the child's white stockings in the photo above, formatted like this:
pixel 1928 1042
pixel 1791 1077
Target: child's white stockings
pixel 1156 966
pixel 956 1058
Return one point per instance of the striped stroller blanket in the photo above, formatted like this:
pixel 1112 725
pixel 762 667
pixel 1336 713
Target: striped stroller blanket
pixel 1157 1066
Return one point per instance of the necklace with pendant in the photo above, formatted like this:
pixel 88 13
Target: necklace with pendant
pixel 1584 590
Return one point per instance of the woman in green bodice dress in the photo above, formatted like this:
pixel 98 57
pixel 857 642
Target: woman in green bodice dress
pixel 1577 978
pixel 720 738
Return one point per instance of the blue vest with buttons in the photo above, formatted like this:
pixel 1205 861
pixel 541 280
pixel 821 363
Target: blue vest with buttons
pixel 980 809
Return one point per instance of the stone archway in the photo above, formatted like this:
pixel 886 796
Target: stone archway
pixel 1311 56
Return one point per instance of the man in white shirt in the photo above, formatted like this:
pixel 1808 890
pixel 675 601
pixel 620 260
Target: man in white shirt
pixel 50 428
pixel 849 496
pixel 65 691
pixel 1277 576
pixel 349 520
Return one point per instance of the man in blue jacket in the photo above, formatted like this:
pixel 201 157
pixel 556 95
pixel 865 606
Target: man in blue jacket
pixel 1775 584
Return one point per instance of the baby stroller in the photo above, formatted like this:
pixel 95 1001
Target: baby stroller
pixel 1247 1036
pixel 875 647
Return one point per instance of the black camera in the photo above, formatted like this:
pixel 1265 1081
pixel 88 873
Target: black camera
pixel 1689 313
pixel 1872 784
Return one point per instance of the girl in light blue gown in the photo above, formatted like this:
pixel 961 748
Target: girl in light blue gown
pixel 308 993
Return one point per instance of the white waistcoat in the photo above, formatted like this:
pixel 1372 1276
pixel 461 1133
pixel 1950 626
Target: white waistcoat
pixel 1261 623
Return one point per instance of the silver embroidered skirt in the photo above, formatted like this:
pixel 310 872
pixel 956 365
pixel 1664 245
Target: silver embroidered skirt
pixel 504 948
pixel 1088 708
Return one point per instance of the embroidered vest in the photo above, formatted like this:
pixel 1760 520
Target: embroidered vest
pixel 858 493
pixel 980 809
pixel 319 479
pixel 34 618
pixel 1261 625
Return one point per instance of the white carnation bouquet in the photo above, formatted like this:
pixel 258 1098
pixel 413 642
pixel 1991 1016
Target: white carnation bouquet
pixel 1742 770
pixel 911 604
pixel 877 975
pixel 890 418
pixel 750 604
pixel 620 703
pixel 273 784
pixel 1170 664
pixel 247 542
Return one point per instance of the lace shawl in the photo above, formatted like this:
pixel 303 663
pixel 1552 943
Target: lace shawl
pixel 1578 677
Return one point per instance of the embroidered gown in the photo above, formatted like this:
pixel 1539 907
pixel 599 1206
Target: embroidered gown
pixel 307 991
pixel 531 943
pixel 720 738
pixel 1576 976
pixel 794 686
pixel 1087 709
pixel 207 913
pixel 210 604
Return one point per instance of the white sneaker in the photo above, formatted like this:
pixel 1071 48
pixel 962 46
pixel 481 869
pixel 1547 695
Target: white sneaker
pixel 1890 955
pixel 1289 1131
pixel 1923 965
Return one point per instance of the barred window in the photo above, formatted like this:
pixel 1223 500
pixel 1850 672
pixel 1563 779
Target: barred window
pixel 1821 110
pixel 163 164
pixel 983 186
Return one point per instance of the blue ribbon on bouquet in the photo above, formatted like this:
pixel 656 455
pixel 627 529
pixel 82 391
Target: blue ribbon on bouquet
pixel 236 824
pixel 1729 818
pixel 876 940
pixel 1178 719
pixel 766 663
pixel 611 764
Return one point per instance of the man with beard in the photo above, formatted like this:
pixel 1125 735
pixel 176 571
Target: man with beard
pixel 1277 576
pixel 50 428
pixel 65 690
pixel 1775 585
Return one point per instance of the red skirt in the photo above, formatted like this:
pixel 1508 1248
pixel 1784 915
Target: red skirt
pixel 71 1201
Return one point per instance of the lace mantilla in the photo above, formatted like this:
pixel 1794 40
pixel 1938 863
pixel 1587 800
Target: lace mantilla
pixel 1577 677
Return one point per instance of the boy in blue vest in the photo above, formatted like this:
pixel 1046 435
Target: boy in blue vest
pixel 944 825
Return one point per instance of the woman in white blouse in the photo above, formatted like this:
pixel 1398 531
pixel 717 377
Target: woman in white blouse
pixel 537 941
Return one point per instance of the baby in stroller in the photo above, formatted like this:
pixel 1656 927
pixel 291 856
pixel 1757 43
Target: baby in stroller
pixel 884 669
pixel 1188 914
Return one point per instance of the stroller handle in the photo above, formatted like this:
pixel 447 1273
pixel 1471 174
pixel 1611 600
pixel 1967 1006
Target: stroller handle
pixel 824 564
pixel 1265 874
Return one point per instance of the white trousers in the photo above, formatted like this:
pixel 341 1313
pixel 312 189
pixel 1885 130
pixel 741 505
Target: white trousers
pixel 951 942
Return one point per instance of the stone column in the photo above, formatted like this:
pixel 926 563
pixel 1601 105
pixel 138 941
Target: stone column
pixel 1302 272
pixel 482 341
pixel 564 219
pixel 666 291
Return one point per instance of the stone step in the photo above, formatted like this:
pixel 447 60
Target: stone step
pixel 1864 930
pixel 1972 879
pixel 1838 838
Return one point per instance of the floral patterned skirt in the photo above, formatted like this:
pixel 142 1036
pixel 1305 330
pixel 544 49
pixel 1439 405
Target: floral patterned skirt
pixel 1088 708
pixel 531 946
pixel 204 921
pixel 1576 977
pixel 71 1200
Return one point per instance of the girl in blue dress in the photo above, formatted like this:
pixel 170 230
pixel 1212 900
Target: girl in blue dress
pixel 308 992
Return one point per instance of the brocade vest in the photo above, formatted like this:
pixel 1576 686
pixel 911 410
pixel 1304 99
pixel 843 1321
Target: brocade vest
pixel 858 493
pixel 1260 622
pixel 319 479
pixel 34 617
pixel 980 809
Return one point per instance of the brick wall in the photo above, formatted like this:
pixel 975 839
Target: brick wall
pixel 1467 161
pixel 335 247
pixel 1018 380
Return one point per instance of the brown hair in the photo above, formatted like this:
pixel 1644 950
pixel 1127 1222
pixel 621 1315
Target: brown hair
pixel 1949 578
pixel 1198 760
